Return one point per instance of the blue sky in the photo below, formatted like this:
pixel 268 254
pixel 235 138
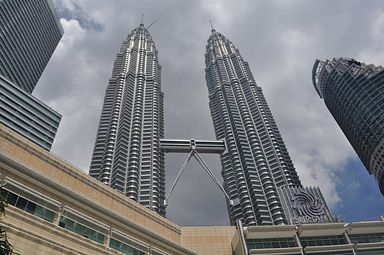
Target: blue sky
pixel 280 40
pixel 360 197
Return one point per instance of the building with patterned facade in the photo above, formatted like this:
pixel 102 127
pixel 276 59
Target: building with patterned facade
pixel 54 208
pixel 29 34
pixel 354 94
pixel 127 155
pixel 256 163
pixel 27 115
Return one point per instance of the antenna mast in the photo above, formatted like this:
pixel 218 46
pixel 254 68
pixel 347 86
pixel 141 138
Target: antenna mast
pixel 210 22
pixel 151 24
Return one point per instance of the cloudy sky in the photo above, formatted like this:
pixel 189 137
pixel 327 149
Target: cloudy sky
pixel 280 39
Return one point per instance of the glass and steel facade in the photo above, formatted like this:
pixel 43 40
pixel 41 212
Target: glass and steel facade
pixel 325 238
pixel 127 154
pixel 256 162
pixel 26 115
pixel 29 34
pixel 354 94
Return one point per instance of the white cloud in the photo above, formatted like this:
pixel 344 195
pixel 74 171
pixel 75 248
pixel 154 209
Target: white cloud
pixel 73 34
pixel 375 53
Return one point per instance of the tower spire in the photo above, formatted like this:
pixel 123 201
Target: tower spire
pixel 142 19
pixel 212 29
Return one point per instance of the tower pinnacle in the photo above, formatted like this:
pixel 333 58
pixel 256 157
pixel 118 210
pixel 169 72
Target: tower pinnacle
pixel 212 29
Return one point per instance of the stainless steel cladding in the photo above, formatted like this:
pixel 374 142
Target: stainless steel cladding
pixel 127 153
pixel 256 161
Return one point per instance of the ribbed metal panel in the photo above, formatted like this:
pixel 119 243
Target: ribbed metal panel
pixel 256 162
pixel 185 146
pixel 127 153
pixel 305 205
pixel 29 34
pixel 26 115
pixel 354 94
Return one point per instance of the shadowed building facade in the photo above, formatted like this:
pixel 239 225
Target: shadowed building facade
pixel 256 163
pixel 27 115
pixel 127 154
pixel 29 34
pixel 354 94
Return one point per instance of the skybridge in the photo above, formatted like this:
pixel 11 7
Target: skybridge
pixel 194 148
pixel 185 146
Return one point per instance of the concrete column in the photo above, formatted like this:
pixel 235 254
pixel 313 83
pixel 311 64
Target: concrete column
pixel 108 238
pixel 59 213
pixel 297 232
pixel 347 227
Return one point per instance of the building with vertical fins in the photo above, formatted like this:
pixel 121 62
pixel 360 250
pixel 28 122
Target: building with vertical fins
pixel 29 34
pixel 127 156
pixel 354 94
pixel 256 163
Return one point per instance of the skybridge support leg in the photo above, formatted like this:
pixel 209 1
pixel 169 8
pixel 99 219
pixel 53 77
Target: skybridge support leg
pixel 196 155
pixel 213 177
pixel 190 155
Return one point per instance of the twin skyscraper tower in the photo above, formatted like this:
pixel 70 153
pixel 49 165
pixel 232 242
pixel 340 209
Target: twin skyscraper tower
pixel 257 170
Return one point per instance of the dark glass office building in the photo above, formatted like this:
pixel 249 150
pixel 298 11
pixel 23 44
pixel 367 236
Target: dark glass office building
pixel 27 115
pixel 127 154
pixel 354 94
pixel 256 163
pixel 29 34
